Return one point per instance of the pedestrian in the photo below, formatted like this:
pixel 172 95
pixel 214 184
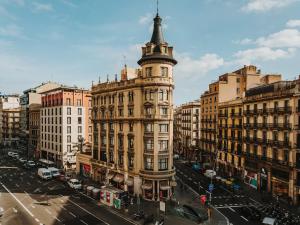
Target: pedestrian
pixel 209 212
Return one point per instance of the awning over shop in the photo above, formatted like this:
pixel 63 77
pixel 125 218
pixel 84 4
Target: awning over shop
pixel 119 178
pixel 110 175
pixel 163 185
pixel 147 186
pixel 129 181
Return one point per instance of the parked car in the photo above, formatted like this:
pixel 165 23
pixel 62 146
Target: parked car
pixel 44 173
pixel 176 156
pixel 15 156
pixel 269 221
pixel 54 172
pixel 74 183
pixel 11 153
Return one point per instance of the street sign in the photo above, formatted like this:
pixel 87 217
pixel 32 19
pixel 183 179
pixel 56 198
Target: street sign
pixel 211 187
pixel 162 206
pixel 203 199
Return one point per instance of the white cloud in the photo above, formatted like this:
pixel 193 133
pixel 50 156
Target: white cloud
pixel 201 66
pixel 11 30
pixel 69 3
pixel 244 41
pixel 293 23
pixel 42 7
pixel 265 5
pixel 288 38
pixel 5 13
pixel 261 54
pixel 146 19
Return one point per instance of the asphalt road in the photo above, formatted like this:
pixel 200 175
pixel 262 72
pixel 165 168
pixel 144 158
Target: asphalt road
pixel 30 201
pixel 222 199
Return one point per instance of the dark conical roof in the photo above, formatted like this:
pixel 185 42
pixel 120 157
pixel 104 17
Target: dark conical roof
pixel 157 35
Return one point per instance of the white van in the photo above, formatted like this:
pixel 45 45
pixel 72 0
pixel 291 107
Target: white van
pixel 44 173
pixel 54 172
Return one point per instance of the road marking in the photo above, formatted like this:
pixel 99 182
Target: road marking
pixel 48 211
pixel 61 200
pixel 72 214
pixel 57 219
pixel 37 220
pixel 83 222
pixel 33 206
pixel 244 218
pixel 90 212
pixel 15 210
pixel 231 209
pixel 26 209
pixel 17 185
pixel 26 193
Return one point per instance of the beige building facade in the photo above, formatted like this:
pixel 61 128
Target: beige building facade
pixel 11 127
pixel 133 124
pixel 187 129
pixel 65 119
pixel 34 121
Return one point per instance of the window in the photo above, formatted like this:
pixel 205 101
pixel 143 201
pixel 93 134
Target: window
pixel 79 120
pixel 121 126
pixel 111 157
pixel 68 129
pixel 164 71
pixel 68 120
pixel 163 164
pixel 68 111
pixel 121 112
pixel 148 71
pixel 69 148
pixel 163 111
pixel 130 96
pixel 130 142
pixel 148 163
pixel 79 102
pixel 163 145
pixel 121 159
pixel 69 139
pixel 130 161
pixel 161 95
pixel 238 80
pixel 80 111
pixel 163 128
pixel 131 126
pixel 68 102
pixel 148 127
pixel 130 111
pixel 79 129
pixel 148 111
pixel 149 144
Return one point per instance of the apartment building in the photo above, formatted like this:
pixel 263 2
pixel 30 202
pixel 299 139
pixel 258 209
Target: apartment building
pixel 228 87
pixel 272 139
pixel 187 129
pixel 65 122
pixel 11 127
pixel 133 124
pixel 230 137
pixel 7 102
pixel 30 96
pixel 34 129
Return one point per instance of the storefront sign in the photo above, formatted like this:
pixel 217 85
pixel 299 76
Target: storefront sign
pixel 162 206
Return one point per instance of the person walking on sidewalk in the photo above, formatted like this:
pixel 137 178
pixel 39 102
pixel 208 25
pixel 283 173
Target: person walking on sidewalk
pixel 209 212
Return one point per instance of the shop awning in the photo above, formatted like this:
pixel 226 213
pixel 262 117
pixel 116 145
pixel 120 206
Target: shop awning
pixel 164 186
pixel 129 181
pixel 110 175
pixel 147 186
pixel 119 178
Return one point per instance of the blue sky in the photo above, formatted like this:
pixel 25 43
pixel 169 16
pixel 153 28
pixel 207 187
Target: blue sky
pixel 76 41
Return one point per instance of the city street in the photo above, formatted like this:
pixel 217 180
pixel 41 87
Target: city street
pixel 28 200
pixel 223 200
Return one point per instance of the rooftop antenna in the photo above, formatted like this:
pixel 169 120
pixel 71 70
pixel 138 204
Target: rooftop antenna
pixel 107 79
pixel 124 58
pixel 99 80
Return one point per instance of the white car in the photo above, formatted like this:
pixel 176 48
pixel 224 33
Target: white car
pixel 15 156
pixel 74 183
pixel 210 173
pixel 11 154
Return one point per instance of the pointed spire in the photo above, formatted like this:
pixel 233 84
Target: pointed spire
pixel 99 80
pixel 157 35
pixel 107 78
pixel 116 77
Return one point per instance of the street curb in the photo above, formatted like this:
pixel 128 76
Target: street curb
pixel 227 220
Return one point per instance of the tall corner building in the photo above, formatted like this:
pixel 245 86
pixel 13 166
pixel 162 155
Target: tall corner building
pixel 133 124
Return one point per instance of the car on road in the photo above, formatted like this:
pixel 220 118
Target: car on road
pixel 75 184
pixel 210 173
pixel 44 174
pixel 12 154
pixel 176 156
pixel 15 156
pixel 269 221
pixel 29 164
